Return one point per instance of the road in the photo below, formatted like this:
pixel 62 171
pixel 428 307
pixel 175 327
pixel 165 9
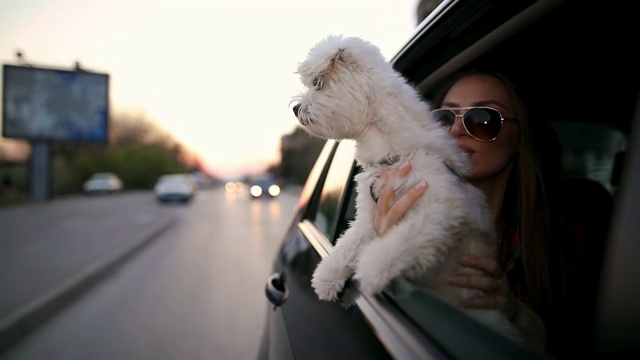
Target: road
pixel 195 292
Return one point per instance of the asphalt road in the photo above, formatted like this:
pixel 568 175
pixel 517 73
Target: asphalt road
pixel 195 291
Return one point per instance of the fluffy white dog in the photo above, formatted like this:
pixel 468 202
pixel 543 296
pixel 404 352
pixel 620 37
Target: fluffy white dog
pixel 354 93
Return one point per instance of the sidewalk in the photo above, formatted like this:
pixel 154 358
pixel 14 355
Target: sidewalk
pixel 51 252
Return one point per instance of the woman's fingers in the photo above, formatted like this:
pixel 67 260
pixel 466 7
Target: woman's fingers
pixel 389 211
pixel 402 205
pixel 488 266
pixel 384 202
pixel 492 282
pixel 386 194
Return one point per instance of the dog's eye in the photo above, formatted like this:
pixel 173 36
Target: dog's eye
pixel 317 82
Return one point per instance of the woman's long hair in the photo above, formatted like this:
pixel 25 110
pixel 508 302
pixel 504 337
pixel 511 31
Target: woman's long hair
pixel 528 205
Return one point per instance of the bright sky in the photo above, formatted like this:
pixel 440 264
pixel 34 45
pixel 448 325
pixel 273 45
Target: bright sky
pixel 217 74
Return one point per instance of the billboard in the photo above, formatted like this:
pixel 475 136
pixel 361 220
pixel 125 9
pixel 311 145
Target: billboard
pixel 51 104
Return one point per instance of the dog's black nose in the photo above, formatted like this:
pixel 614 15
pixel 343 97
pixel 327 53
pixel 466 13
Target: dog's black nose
pixel 296 109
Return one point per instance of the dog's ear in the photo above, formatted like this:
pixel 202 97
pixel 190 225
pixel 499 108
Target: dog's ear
pixel 319 80
pixel 340 56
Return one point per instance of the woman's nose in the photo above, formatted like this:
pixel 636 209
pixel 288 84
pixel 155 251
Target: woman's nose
pixel 457 128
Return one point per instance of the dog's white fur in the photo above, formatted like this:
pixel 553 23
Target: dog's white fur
pixel 354 93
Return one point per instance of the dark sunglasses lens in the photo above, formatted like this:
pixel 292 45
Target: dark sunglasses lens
pixel 483 123
pixel 445 117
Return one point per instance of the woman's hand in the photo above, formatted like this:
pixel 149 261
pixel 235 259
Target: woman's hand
pixel 492 282
pixel 498 296
pixel 389 210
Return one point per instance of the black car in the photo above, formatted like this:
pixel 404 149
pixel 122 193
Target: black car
pixel 578 60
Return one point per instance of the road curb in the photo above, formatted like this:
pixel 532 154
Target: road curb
pixel 18 324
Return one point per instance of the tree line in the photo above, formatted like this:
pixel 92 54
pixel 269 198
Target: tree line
pixel 139 151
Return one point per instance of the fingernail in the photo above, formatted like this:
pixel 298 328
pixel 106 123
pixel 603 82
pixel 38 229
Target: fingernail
pixel 404 166
pixel 421 186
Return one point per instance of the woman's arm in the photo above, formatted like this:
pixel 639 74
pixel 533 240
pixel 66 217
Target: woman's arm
pixel 493 282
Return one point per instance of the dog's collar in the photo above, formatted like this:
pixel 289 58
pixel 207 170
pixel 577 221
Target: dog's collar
pixel 388 161
pixel 385 162
pixel 394 159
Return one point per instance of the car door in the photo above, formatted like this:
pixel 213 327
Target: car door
pixel 317 329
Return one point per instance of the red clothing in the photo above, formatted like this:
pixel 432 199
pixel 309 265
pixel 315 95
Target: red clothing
pixel 514 268
pixel 569 321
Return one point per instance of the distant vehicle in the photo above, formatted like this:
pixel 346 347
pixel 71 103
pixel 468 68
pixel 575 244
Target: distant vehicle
pixel 263 187
pixel 234 186
pixel 203 180
pixel 175 188
pixel 102 183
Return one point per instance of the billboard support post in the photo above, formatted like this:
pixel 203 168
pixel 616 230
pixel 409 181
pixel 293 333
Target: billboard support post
pixel 40 170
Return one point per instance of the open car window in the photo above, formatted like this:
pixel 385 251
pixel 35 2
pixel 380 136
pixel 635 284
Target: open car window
pixel 332 194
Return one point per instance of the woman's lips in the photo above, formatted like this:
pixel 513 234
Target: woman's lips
pixel 466 149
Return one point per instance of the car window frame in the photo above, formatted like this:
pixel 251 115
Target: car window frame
pixel 339 223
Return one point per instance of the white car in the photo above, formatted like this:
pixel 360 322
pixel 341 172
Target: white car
pixel 102 183
pixel 175 187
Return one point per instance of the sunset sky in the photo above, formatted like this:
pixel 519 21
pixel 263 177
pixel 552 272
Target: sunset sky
pixel 217 74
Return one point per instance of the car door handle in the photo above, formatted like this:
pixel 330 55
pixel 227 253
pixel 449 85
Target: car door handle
pixel 276 291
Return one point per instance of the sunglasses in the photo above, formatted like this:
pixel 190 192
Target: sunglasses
pixel 481 123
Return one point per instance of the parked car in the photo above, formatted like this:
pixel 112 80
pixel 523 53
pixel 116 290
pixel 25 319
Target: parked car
pixel 263 187
pixel 175 188
pixel 102 183
pixel 577 61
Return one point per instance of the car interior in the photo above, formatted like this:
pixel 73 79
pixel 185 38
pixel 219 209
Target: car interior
pixel 579 79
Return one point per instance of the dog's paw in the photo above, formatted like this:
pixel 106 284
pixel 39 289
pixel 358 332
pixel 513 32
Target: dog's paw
pixel 329 279
pixel 349 294
pixel 375 269
pixel 369 285
pixel 371 282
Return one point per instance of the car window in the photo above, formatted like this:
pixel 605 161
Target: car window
pixel 591 151
pixel 337 179
pixel 350 207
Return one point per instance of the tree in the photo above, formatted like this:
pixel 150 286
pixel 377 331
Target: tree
pixel 299 152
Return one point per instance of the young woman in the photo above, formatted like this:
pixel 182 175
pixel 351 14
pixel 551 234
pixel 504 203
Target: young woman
pixel 527 278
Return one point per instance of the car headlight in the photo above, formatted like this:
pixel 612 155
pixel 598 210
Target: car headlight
pixel 230 187
pixel 274 190
pixel 255 191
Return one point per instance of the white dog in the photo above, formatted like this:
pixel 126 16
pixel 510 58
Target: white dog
pixel 354 93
